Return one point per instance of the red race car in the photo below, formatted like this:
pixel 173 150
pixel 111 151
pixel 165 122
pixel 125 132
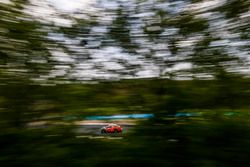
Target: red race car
pixel 111 128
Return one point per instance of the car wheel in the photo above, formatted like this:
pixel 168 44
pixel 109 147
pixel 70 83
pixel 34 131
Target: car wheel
pixel 103 131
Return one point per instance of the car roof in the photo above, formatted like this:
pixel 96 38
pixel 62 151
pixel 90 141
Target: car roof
pixel 112 124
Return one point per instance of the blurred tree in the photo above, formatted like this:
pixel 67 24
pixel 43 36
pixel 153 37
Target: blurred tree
pixel 119 30
pixel 22 47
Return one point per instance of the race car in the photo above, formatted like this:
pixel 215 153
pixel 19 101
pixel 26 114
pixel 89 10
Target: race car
pixel 111 128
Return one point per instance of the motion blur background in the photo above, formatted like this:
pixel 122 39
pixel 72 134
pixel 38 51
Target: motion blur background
pixel 173 73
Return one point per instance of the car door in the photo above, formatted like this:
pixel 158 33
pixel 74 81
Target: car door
pixel 109 129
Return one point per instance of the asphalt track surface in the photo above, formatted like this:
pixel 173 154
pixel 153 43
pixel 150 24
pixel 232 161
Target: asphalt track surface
pixel 96 130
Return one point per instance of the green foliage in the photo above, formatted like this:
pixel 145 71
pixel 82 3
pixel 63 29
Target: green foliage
pixel 233 8
pixel 120 32
pixel 187 24
pixel 22 104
